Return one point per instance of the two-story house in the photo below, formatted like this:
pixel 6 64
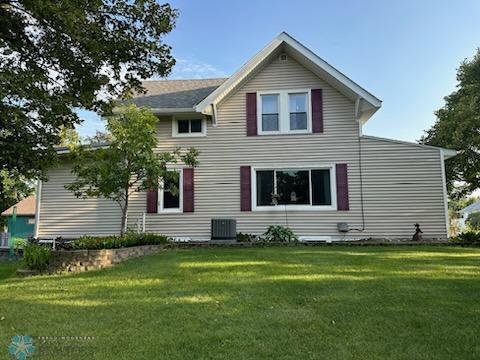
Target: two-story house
pixel 280 142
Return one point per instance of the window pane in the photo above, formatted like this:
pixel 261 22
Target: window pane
pixel 183 126
pixel 321 187
pixel 171 191
pixel 269 104
pixel 298 111
pixel 270 122
pixel 293 187
pixel 196 126
pixel 264 187
pixel 298 121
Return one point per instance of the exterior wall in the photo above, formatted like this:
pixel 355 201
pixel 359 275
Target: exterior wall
pixel 402 182
pixel 23 226
pixel 62 214
pixel 403 185
pixel 226 148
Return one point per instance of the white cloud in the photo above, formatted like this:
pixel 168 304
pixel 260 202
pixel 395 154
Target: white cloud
pixel 192 69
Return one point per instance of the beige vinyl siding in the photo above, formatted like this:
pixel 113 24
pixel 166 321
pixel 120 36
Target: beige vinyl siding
pixel 402 183
pixel 402 186
pixel 62 214
pixel 226 148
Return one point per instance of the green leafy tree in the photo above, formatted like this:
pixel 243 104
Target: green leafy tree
pixel 473 221
pixel 458 127
pixel 60 55
pixel 129 164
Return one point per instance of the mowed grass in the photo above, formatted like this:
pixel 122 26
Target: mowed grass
pixel 272 303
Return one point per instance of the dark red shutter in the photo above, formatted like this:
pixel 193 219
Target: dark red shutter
pixel 317 111
pixel 152 201
pixel 188 190
pixel 251 114
pixel 342 186
pixel 245 188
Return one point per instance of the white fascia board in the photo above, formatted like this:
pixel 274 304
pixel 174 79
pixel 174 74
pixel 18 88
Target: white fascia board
pixel 204 106
pixel 232 81
pixel 447 153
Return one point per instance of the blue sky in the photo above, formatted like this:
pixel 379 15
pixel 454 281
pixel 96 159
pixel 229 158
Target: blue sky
pixel 406 53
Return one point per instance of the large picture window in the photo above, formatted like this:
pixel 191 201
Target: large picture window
pixel 300 188
pixel 284 111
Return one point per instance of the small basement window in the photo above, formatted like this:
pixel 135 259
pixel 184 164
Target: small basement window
pixel 189 127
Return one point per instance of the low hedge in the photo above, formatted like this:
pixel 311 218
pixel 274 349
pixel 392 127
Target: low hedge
pixel 115 242
pixel 469 238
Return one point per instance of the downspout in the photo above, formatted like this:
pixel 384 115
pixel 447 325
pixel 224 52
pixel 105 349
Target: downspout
pixel 445 195
pixel 214 114
pixel 357 118
pixel 37 208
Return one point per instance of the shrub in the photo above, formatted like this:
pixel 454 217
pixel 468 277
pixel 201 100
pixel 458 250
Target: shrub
pixel 115 242
pixel 467 238
pixel 245 237
pixel 280 233
pixel 473 221
pixel 37 257
pixel 18 244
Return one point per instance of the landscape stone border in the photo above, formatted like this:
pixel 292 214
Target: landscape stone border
pixel 85 260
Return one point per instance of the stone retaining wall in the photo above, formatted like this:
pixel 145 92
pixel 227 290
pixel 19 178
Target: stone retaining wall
pixel 85 260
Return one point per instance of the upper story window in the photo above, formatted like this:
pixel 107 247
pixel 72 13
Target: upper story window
pixel 189 127
pixel 284 112
pixel 270 112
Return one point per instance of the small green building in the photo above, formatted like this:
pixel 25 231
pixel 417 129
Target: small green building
pixel 21 218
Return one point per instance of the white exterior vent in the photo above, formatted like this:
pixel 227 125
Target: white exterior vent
pixel 283 57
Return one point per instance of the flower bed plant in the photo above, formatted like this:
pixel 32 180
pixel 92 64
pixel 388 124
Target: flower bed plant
pixel 37 257
pixel 469 238
pixel 115 242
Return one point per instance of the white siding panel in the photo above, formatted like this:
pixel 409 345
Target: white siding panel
pixel 62 214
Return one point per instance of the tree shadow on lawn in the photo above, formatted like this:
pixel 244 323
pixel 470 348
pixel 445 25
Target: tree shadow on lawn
pixel 258 304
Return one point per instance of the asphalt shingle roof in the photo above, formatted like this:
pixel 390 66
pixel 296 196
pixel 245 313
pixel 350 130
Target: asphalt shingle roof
pixel 171 94
pixel 24 207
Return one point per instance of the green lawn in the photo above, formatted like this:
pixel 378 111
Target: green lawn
pixel 273 303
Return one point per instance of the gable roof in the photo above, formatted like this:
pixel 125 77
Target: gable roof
pixel 471 208
pixel 24 207
pixel 175 95
pixel 366 103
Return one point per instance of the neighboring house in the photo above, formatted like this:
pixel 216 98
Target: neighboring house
pixel 465 212
pixel 286 123
pixel 22 224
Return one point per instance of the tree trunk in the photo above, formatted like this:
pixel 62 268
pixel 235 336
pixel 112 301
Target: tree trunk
pixel 124 215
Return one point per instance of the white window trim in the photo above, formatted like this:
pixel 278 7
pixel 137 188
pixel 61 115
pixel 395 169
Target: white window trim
pixel 333 188
pixel 161 210
pixel 175 132
pixel 284 111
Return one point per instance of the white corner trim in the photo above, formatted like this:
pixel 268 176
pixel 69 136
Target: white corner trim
pixel 37 208
pixel 333 188
pixel 445 195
